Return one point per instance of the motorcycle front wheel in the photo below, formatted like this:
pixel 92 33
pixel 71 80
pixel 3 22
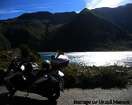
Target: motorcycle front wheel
pixel 55 94
pixel 11 91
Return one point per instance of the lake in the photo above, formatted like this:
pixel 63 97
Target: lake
pixel 96 58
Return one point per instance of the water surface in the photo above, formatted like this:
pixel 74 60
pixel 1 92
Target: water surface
pixel 96 58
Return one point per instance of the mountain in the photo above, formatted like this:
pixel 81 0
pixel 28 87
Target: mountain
pixel 121 15
pixel 52 18
pixel 88 32
pixel 69 31
pixel 4 43
pixel 33 28
pixel 18 33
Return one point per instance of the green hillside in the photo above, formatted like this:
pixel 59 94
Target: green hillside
pixel 89 32
pixel 44 31
pixel 4 43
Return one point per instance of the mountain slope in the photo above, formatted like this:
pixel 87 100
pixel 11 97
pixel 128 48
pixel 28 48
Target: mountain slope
pixel 121 15
pixel 87 32
pixel 33 28
pixel 56 18
pixel 4 43
pixel 18 33
pixel 45 31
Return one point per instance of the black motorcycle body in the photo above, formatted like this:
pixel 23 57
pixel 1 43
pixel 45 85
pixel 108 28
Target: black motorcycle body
pixel 46 84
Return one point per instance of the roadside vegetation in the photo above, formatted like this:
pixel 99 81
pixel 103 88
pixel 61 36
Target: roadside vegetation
pixel 5 59
pixel 78 76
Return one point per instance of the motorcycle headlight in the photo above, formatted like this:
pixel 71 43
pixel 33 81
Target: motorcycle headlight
pixel 61 73
pixel 22 67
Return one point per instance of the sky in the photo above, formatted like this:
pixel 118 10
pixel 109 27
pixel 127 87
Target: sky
pixel 13 8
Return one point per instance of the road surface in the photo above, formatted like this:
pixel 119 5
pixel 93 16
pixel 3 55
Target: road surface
pixel 73 97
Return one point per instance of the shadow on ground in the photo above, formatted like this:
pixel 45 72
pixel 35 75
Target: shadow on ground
pixel 17 100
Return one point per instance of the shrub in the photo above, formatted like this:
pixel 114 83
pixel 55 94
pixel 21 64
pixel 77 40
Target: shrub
pixel 92 77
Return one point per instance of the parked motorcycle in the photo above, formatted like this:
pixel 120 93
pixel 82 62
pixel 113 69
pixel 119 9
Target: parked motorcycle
pixel 27 76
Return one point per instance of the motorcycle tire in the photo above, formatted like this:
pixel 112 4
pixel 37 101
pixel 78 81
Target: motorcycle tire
pixel 11 89
pixel 55 95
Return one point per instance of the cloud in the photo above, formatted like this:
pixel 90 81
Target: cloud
pixel 92 3
pixel 125 2
pixel 109 3
pixel 105 3
pixel 11 11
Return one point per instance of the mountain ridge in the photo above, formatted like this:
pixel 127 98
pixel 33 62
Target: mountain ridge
pixel 120 15
pixel 70 31
pixel 89 30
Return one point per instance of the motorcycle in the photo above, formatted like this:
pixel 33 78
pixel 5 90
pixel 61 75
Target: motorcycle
pixel 27 77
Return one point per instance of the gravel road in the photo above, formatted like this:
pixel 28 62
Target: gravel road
pixel 73 97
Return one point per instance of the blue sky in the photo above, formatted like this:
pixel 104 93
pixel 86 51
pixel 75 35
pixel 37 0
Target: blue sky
pixel 13 8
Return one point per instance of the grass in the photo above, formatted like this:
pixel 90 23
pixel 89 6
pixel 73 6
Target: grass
pixel 78 76
pixel 5 59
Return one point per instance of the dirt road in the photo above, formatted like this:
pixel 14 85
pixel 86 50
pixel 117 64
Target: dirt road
pixel 73 97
